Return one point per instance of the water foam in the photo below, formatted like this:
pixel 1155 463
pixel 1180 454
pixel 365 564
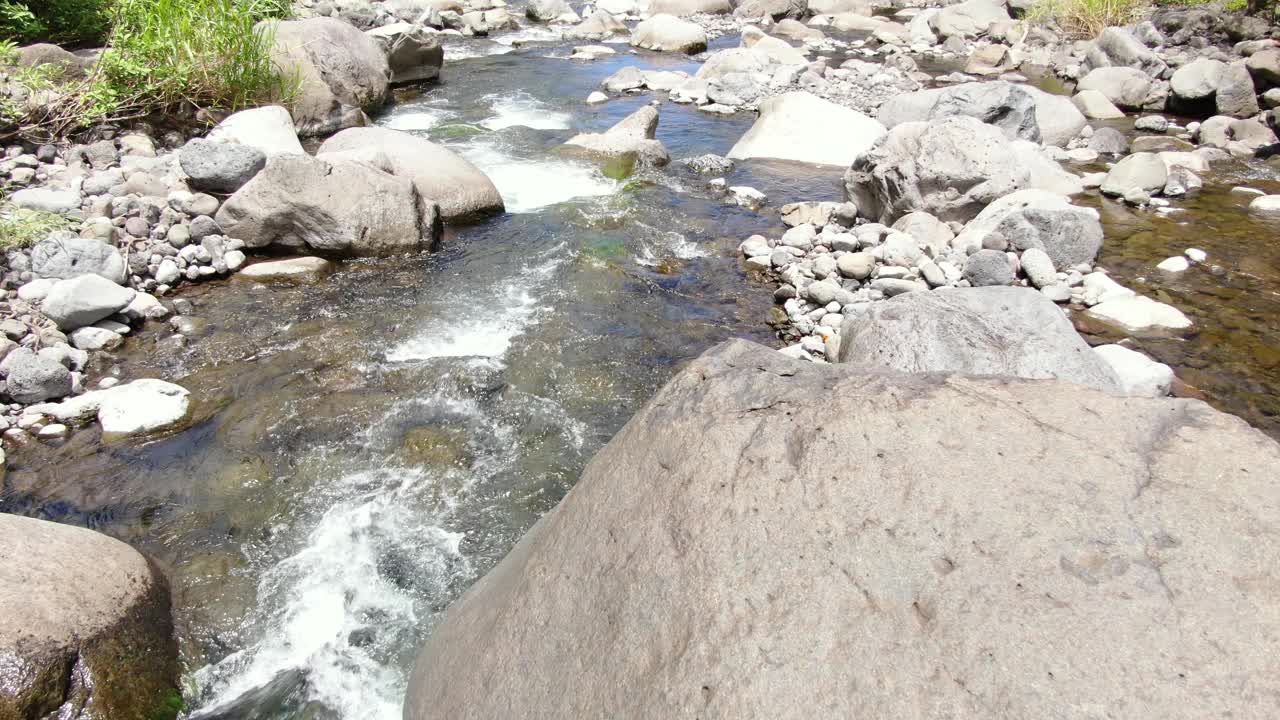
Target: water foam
pixel 530 185
pixel 486 332
pixel 414 118
pixel 521 109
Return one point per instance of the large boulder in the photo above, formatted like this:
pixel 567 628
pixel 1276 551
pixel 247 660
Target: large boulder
pixel 803 127
pixel 341 72
pixel 220 167
pixel 773 9
pixel 969 19
pixel 668 33
pixel 441 176
pixel 684 8
pixel 413 54
pixel 1036 219
pixel 1004 331
pixel 770 538
pixel 32 377
pixel 268 128
pixel 633 138
pixel 950 168
pixel 779 51
pixel 85 626
pixel 734 60
pixel 1117 47
pixel 1022 111
pixel 84 300
pixel 40 55
pixel 340 208
pixel 1236 93
pixel 1140 171
pixel 598 26
pixel 62 256
pixel 1124 86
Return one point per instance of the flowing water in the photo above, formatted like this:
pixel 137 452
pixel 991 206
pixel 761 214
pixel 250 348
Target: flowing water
pixel 365 448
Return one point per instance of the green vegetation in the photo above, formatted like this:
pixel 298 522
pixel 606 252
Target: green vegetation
pixel 162 56
pixel 65 22
pixel 20 227
pixel 1087 18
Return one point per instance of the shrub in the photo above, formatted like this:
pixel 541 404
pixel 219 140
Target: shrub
pixel 66 22
pixel 1087 18
pixel 164 55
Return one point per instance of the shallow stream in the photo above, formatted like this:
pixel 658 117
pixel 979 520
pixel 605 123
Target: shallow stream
pixel 365 448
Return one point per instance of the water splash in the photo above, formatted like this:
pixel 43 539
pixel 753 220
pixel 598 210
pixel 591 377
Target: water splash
pixel 524 110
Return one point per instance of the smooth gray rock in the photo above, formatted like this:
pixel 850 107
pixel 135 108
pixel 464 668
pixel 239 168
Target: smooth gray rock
pixel 1235 95
pixel 803 127
pixel 770 538
pixel 1118 47
pixel 1144 171
pixel 1126 87
pixel 32 378
pixel 1022 111
pixel 68 257
pixel 1069 236
pixel 668 33
pixel 220 167
pixel 1108 141
pixel 73 598
pixel 988 267
pixel 1004 331
pixel 440 175
pixel 58 202
pixel 969 19
pixel 340 208
pixel 84 300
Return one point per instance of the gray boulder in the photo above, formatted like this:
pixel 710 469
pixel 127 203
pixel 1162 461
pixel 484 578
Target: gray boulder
pixel 413 54
pixel 684 8
pixel 1117 47
pixel 632 138
pixel 342 72
pixel 1068 236
pixel 950 168
pixel 547 10
pixel 668 33
pixel 1236 93
pixel 1197 80
pixel 969 19
pixel 598 26
pixel 988 267
pixel 340 208
pixel 43 54
pixel 1108 141
pixel 64 256
pixel 441 176
pixel 58 202
pixel 1124 86
pixel 803 127
pixel 84 300
pixel 1002 331
pixel 220 167
pixel 85 626
pixel 269 129
pixel 32 378
pixel 769 538
pixel 773 9
pixel 1144 171
pixel 1022 111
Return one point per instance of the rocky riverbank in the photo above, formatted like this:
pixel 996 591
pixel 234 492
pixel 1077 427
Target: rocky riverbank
pixel 943 186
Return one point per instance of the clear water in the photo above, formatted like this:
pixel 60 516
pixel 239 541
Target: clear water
pixel 365 448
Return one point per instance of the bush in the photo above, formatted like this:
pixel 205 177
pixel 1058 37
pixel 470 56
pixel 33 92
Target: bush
pixel 166 55
pixel 66 22
pixel 1087 18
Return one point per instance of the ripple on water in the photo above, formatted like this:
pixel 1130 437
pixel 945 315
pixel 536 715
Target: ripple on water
pixel 521 109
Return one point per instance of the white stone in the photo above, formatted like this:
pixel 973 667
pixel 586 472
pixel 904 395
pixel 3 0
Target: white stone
pixel 1139 313
pixel 1265 205
pixel 1177 263
pixel 597 97
pixel 803 127
pixel 142 406
pixel 1196 254
pixel 1139 375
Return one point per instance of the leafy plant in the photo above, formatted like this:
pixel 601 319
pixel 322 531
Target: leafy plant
pixel 72 22
pixel 21 227
pixel 17 22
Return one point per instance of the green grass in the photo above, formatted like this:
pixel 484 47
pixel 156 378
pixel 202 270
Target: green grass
pixel 19 227
pixel 65 22
pixel 166 55
pixel 1087 18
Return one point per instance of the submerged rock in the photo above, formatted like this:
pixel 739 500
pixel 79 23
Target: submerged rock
pixel 773 538
pixel 142 407
pixel 803 127
pixel 303 269
pixel 85 626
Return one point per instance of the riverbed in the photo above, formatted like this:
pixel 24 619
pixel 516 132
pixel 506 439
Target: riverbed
pixel 365 448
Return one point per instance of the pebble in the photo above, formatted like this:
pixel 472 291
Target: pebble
pixel 1177 263
pixel 1196 255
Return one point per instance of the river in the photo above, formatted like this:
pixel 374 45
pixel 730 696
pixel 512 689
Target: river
pixel 365 448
